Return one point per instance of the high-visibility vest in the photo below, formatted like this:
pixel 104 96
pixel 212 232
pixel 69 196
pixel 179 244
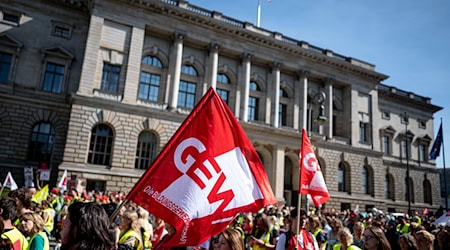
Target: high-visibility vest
pixel 44 236
pixel 316 232
pixel 17 239
pixel 265 238
pixel 403 229
pixel 146 237
pixel 351 247
pixel 49 224
pixel 131 233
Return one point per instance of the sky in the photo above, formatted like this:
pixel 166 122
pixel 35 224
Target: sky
pixel 408 40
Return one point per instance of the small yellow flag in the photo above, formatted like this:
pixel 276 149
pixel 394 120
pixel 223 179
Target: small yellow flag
pixel 40 195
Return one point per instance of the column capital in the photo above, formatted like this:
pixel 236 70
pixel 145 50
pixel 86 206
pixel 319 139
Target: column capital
pixel 329 80
pixel 304 73
pixel 214 47
pixel 276 65
pixel 179 37
pixel 246 56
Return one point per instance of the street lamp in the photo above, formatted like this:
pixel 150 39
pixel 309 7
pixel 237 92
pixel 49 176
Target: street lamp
pixel 321 119
pixel 408 190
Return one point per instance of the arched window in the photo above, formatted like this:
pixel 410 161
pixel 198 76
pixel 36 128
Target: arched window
pixel 41 143
pixel 389 188
pixel 427 196
pixel 282 109
pixel 187 88
pixel 101 144
pixel 364 181
pixel 150 79
pixel 253 103
pixel 146 150
pixel 288 173
pixel 223 79
pixel 410 191
pixel 343 178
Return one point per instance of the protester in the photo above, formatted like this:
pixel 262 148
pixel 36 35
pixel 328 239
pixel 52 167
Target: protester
pixel 8 210
pixel 230 239
pixel 24 203
pixel 159 230
pixel 86 227
pixel 32 224
pixel 407 242
pixel 358 230
pixel 5 243
pixel 304 239
pixel 374 239
pixel 130 230
pixel 424 240
pixel 146 227
pixel 315 227
pixel 392 234
pixel 48 214
pixel 262 236
pixel 443 237
pixel 332 235
pixel 345 240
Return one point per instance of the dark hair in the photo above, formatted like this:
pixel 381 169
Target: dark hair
pixel 409 240
pixel 23 195
pixel 9 207
pixel 381 237
pixel 234 239
pixel 89 227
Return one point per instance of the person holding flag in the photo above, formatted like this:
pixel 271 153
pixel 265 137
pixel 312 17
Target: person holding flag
pixel 297 236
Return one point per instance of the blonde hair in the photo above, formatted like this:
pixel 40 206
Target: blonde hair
pixel 38 222
pixel 345 232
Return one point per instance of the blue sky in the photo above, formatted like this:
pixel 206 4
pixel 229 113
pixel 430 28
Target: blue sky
pixel 408 40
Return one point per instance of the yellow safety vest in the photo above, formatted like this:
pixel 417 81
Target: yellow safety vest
pixel 146 239
pixel 351 247
pixel 265 238
pixel 17 239
pixel 49 224
pixel 44 236
pixel 316 232
pixel 131 233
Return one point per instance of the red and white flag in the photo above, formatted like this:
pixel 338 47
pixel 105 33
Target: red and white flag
pixel 10 182
pixel 207 173
pixel 62 185
pixel 311 178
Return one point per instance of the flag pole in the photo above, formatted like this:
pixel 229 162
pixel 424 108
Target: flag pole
pixel 116 212
pixel 445 172
pixel 299 203
pixel 258 18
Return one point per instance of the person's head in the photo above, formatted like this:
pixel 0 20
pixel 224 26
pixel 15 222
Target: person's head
pixel 129 219
pixel 336 224
pixel 230 239
pixel 358 228
pixel 375 239
pixel 8 208
pixel 4 243
pixel 314 222
pixel 31 223
pixel 424 240
pixel 345 236
pixel 87 227
pixel 407 242
pixel 23 198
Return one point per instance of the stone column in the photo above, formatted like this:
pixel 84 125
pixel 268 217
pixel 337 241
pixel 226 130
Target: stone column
pixel 276 97
pixel 214 55
pixel 134 65
pixel 278 172
pixel 247 69
pixel 88 71
pixel 304 83
pixel 178 44
pixel 329 106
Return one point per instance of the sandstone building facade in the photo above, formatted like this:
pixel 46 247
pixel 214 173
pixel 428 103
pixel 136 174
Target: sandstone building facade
pixel 98 87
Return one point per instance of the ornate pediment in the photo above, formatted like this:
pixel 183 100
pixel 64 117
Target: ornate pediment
pixel 59 52
pixel 8 40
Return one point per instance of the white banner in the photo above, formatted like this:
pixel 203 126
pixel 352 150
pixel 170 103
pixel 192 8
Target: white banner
pixel 28 176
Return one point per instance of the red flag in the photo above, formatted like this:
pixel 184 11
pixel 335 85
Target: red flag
pixel 311 178
pixel 207 173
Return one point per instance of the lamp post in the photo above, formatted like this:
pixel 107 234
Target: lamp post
pixel 321 119
pixel 408 190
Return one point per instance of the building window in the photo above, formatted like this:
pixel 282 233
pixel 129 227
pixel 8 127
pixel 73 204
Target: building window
pixel 146 150
pixel 149 86
pixel 110 78
pixel 253 103
pixel 386 115
pixel 10 18
pixel 422 124
pixel 343 178
pixel 223 79
pixel 95 185
pixel 42 142
pixel 364 181
pixel 100 146
pixel 5 66
pixel 61 29
pixel 253 108
pixel 405 148
pixel 282 114
pixel 386 145
pixel 410 191
pixel 427 196
pixel 389 187
pixel 363 132
pixel 186 94
pixel 223 94
pixel 189 70
pixel 152 61
pixel 423 152
pixel 53 78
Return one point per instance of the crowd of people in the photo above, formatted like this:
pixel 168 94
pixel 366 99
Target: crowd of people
pixel 83 221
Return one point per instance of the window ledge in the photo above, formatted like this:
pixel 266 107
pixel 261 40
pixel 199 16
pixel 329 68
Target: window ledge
pixel 107 95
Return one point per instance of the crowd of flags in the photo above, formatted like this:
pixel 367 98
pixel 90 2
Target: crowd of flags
pixel 209 172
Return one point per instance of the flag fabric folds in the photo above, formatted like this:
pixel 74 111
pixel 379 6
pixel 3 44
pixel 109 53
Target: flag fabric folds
pixel 207 174
pixel 62 185
pixel 40 195
pixel 436 149
pixel 311 178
